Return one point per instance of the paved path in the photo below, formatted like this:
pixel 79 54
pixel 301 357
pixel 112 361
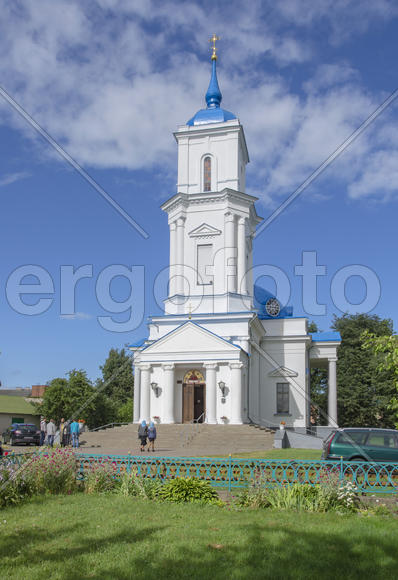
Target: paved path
pixel 180 440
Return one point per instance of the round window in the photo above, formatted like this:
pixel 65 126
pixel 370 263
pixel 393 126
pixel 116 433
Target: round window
pixel 272 307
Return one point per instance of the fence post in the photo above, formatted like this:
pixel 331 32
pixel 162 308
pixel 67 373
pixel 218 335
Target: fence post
pixel 128 463
pixel 341 468
pixel 229 472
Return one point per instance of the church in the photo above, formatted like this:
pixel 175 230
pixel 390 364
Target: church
pixel 225 351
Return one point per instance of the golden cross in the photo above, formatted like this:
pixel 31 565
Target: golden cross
pixel 190 311
pixel 214 39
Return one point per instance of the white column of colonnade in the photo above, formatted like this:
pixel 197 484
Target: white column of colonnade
pixel 173 259
pixel 332 392
pixel 169 393
pixel 137 387
pixel 145 387
pixel 211 392
pixel 236 392
pixel 241 269
pixel 180 255
pixel 230 253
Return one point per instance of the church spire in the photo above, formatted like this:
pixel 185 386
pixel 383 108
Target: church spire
pixel 213 95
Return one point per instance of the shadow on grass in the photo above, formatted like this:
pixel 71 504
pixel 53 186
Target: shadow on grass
pixel 270 551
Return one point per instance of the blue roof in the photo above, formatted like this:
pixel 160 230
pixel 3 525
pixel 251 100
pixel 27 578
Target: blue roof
pixel 213 113
pixel 261 297
pixel 330 336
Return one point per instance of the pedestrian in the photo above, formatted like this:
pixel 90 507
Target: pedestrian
pixel 151 436
pixel 66 435
pixel 61 432
pixel 43 430
pixel 51 433
pixel 75 431
pixel 142 434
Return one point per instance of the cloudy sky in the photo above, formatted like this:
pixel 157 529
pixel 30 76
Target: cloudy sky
pixel 110 80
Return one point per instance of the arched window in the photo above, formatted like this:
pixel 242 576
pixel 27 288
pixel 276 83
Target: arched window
pixel 207 174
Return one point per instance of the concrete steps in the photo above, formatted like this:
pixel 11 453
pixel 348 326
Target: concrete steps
pixel 183 440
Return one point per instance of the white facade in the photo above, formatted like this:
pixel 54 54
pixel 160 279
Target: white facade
pixel 216 355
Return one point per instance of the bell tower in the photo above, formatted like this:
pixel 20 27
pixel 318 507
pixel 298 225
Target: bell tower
pixel 211 218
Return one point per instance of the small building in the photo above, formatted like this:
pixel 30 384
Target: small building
pixel 15 409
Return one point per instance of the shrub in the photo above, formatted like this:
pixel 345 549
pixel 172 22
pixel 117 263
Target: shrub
pixel 134 485
pixel 52 472
pixel 13 488
pixel 100 478
pixel 188 489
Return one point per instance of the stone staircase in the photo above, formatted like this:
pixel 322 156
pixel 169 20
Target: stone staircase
pixel 181 440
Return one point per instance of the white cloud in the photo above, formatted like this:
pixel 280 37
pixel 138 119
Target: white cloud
pixel 111 80
pixel 9 178
pixel 76 316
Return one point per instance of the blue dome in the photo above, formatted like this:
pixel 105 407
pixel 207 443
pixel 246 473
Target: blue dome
pixel 213 113
pixel 268 305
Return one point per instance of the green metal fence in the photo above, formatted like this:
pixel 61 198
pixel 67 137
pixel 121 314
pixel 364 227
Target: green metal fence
pixel 238 473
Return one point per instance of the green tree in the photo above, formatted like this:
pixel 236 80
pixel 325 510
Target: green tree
pixel 385 349
pixel 117 381
pixel 364 392
pixel 74 397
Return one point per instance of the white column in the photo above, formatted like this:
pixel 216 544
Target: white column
pixel 172 268
pixel 168 394
pixel 145 406
pixel 180 255
pixel 332 392
pixel 241 282
pixel 211 392
pixel 230 253
pixel 137 388
pixel 236 392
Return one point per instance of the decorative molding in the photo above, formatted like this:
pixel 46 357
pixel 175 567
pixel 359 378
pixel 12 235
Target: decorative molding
pixel 204 231
pixel 168 366
pixel 283 372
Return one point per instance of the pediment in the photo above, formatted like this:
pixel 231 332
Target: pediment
pixel 283 372
pixel 204 231
pixel 190 337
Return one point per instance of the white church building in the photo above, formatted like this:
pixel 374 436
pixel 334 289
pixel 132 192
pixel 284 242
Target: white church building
pixel 225 350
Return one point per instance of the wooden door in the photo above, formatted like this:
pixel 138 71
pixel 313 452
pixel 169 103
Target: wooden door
pixel 187 402
pixel 199 402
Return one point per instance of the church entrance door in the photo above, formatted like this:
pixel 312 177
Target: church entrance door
pixel 193 397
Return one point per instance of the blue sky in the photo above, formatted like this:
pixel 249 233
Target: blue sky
pixel 111 80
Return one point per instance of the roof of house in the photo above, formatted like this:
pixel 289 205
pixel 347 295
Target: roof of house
pixel 12 404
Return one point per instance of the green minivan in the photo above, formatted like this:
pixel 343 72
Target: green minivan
pixel 362 444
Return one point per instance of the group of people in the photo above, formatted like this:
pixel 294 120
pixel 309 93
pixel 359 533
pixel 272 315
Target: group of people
pixel 69 432
pixel 147 432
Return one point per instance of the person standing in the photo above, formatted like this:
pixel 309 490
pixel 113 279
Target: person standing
pixel 43 430
pixel 66 436
pixel 75 432
pixel 142 434
pixel 51 432
pixel 61 432
pixel 151 436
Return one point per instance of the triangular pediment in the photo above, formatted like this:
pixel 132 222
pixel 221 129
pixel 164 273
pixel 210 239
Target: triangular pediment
pixel 204 231
pixel 283 372
pixel 190 337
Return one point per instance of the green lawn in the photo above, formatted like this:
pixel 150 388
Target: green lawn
pixel 111 537
pixel 285 454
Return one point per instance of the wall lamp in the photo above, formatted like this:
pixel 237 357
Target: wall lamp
pixel 223 389
pixel 156 389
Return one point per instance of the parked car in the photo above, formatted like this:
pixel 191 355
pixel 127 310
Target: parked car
pixel 20 433
pixel 362 444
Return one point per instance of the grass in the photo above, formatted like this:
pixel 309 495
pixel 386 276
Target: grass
pixel 111 537
pixel 285 454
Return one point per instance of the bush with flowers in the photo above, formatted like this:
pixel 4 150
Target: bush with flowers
pixel 100 477
pixel 52 472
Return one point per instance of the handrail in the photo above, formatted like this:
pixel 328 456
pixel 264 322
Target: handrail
pixel 192 429
pixel 109 425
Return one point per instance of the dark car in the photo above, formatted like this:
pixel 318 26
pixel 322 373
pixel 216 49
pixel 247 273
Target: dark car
pixel 362 444
pixel 20 433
